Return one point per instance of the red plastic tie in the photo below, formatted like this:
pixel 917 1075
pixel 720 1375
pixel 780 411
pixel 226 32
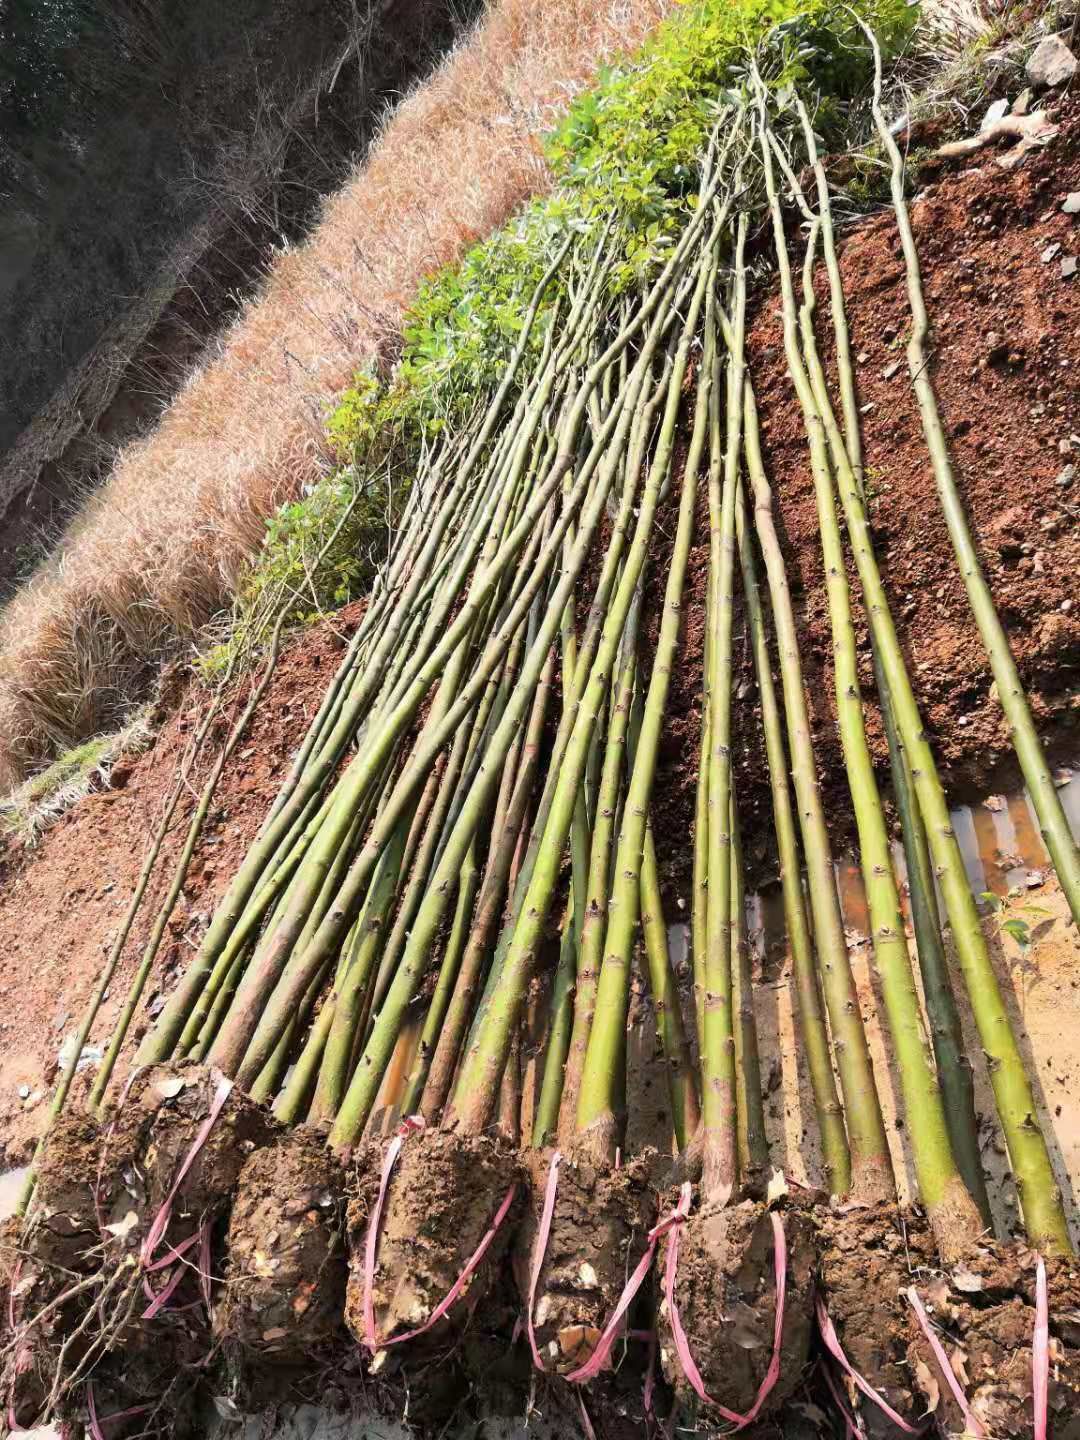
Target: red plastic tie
pixel 371 1245
pixel 1040 1352
pixel 972 1421
pixel 116 1416
pixel 832 1344
pixel 850 1427
pixel 91 1410
pixel 682 1347
pixel 598 1359
pixel 540 1250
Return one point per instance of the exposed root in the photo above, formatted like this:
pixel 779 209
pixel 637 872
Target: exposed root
pixel 98 1292
pixel 725 1292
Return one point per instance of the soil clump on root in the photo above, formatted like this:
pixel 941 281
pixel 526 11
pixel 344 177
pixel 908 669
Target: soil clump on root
pixel 599 1230
pixel 984 1313
pixel 725 1292
pixel 285 1262
pixel 441 1201
pixel 868 1257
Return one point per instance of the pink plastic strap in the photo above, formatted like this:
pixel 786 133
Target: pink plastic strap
pixel 415 1122
pixel 161 1299
pixel 682 1347
pixel 540 1250
pixel 1040 1352
pixel 832 1344
pixel 161 1220
pixel 972 1421
pixel 598 1359
pixel 114 1418
pixel 174 1252
pixel 371 1243
pixel 91 1410
pixel 850 1428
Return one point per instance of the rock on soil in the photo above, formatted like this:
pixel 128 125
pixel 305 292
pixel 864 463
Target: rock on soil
pixel 1051 63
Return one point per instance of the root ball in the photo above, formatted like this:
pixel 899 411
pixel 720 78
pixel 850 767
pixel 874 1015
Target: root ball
pixel 285 1254
pixel 725 1291
pixel 599 1231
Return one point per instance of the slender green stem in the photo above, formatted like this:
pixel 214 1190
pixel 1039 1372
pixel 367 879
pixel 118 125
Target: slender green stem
pixel 812 1028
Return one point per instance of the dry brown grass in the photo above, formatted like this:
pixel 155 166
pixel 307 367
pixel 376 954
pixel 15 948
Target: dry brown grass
pixel 159 548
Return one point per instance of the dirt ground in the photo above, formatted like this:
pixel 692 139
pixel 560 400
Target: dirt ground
pixel 1008 346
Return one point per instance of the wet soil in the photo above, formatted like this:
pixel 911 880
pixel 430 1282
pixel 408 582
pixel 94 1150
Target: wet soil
pixel 725 1292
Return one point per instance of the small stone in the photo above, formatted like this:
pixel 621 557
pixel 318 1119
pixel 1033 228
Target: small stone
pixel 1068 267
pixel 1071 203
pixel 890 370
pixel 1022 104
pixel 996 111
pixel 24 1092
pixel 1051 63
pixel 1065 477
pixel 1066 606
pixel 862 357
pixel 1049 253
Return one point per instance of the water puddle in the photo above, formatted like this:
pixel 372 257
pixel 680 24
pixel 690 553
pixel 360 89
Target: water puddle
pixel 1002 849
pixel 11 1183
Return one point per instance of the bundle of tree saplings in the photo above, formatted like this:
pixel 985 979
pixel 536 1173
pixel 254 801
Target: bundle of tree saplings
pixel 316 1163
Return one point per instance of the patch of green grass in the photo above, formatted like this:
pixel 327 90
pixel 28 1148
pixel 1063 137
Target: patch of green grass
pixel 625 160
pixel 31 808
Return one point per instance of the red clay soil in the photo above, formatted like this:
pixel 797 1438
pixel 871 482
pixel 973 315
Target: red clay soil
pixel 1007 374
pixel 61 903
pixel 1007 368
